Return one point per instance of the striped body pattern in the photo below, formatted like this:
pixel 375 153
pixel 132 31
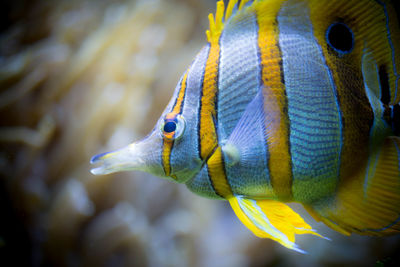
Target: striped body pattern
pixel 289 101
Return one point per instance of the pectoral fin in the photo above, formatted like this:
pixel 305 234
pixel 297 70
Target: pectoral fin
pixel 247 139
pixel 271 219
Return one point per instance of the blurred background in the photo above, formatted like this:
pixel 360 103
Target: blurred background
pixel 80 77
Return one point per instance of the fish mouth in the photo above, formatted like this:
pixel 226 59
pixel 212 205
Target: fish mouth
pixel 97 159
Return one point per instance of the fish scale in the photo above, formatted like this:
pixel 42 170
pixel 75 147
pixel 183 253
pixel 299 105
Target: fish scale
pixel 237 83
pixel 289 101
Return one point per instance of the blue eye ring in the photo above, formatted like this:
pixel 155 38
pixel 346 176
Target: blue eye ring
pixel 173 126
pixel 340 38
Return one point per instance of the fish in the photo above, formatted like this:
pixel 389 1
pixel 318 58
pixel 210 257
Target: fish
pixel 288 101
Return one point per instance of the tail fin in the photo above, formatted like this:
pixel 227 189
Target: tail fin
pixel 370 203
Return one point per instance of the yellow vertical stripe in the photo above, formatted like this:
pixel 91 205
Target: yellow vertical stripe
pixel 179 101
pixel 166 155
pixel 216 171
pixel 274 99
pixel 168 144
pixel 207 130
pixel 208 139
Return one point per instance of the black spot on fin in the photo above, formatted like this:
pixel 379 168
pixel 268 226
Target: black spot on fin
pixel 384 81
pixel 396 119
pixel 385 93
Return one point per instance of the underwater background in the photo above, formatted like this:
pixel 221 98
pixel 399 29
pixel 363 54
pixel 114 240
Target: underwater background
pixel 80 77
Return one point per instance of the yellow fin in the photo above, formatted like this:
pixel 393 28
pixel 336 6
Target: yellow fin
pixel 271 219
pixel 229 9
pixel 217 24
pixel 368 204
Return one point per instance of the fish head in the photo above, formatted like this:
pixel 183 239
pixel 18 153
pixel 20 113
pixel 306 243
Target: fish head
pixel 171 149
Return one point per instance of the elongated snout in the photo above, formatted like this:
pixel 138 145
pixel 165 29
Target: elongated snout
pixel 141 156
pixel 125 159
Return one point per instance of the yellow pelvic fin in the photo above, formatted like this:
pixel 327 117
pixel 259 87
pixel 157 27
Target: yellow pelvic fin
pixel 369 203
pixel 271 219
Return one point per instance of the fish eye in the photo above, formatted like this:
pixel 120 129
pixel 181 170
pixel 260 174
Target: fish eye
pixel 340 37
pixel 170 127
pixel 173 126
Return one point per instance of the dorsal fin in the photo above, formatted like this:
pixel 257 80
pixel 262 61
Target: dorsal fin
pixel 221 16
